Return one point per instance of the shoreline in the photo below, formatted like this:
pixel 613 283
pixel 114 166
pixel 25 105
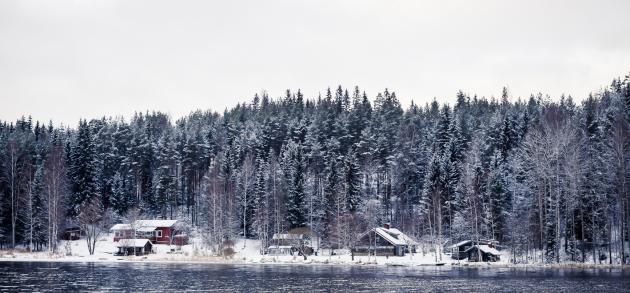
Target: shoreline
pixel 310 262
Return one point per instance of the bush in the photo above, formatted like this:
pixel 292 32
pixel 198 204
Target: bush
pixel 228 252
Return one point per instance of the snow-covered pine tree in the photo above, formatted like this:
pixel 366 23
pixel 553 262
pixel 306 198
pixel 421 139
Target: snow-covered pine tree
pixel 293 167
pixel 82 169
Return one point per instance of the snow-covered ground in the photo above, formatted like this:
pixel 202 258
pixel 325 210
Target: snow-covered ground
pixel 247 251
pixel 77 250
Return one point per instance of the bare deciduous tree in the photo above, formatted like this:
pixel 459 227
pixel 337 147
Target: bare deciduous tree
pixel 92 220
pixel 55 187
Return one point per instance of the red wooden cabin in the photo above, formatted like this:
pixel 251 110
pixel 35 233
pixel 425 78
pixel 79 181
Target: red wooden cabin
pixel 157 231
pixel 122 231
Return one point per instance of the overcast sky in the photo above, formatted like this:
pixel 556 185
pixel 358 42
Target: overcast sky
pixel 65 60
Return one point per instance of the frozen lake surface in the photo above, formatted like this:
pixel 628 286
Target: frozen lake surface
pixel 146 277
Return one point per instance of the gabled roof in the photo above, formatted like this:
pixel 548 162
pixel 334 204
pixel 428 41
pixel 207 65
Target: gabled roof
pixel 485 249
pixel 144 225
pixel 154 223
pixel 281 236
pixel 280 247
pixel 132 242
pixel 120 227
pixel 146 229
pixel 402 236
pixel 460 243
pixel 394 236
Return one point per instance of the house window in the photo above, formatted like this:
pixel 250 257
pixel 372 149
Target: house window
pixel 158 233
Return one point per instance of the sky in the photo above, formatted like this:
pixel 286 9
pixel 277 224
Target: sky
pixel 66 60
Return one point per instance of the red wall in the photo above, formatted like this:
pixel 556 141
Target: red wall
pixel 165 239
pixel 126 234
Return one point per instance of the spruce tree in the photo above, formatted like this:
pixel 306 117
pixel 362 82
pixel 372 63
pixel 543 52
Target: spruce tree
pixel 82 169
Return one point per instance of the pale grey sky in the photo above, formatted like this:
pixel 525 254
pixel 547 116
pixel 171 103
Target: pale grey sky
pixel 63 60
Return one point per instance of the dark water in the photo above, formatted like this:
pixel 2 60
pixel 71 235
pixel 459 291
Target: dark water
pixel 147 277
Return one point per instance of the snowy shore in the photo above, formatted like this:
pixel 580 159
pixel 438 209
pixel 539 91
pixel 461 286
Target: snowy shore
pixel 247 253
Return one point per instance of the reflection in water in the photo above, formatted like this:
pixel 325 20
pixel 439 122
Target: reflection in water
pixel 52 276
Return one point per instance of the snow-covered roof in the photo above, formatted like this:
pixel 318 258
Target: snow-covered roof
pixel 155 223
pixel 488 249
pixel 279 247
pixel 119 227
pixel 146 229
pixel 132 242
pixel 288 236
pixel 402 236
pixel 460 243
pixel 144 225
pixel 391 238
pixel 485 249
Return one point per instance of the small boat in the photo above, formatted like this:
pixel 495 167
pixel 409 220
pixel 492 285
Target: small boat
pixel 440 264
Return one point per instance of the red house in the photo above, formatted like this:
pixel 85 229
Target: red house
pixel 157 231
pixel 122 231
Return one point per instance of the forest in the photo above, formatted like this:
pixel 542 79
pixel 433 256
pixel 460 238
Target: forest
pixel 544 176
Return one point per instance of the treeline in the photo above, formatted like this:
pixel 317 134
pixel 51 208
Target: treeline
pixel 538 174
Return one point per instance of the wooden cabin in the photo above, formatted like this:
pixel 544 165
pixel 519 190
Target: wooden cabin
pixel 122 231
pixel 458 250
pixel 472 250
pixel 296 240
pixel 134 247
pixel 72 233
pixel 157 231
pixel 484 253
pixel 385 241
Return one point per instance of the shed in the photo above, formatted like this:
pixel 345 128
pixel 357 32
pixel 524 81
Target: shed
pixel 134 247
pixel 72 233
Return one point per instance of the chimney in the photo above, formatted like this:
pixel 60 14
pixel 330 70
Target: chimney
pixel 386 225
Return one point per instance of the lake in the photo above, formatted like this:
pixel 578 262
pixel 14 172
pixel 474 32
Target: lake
pixel 164 277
